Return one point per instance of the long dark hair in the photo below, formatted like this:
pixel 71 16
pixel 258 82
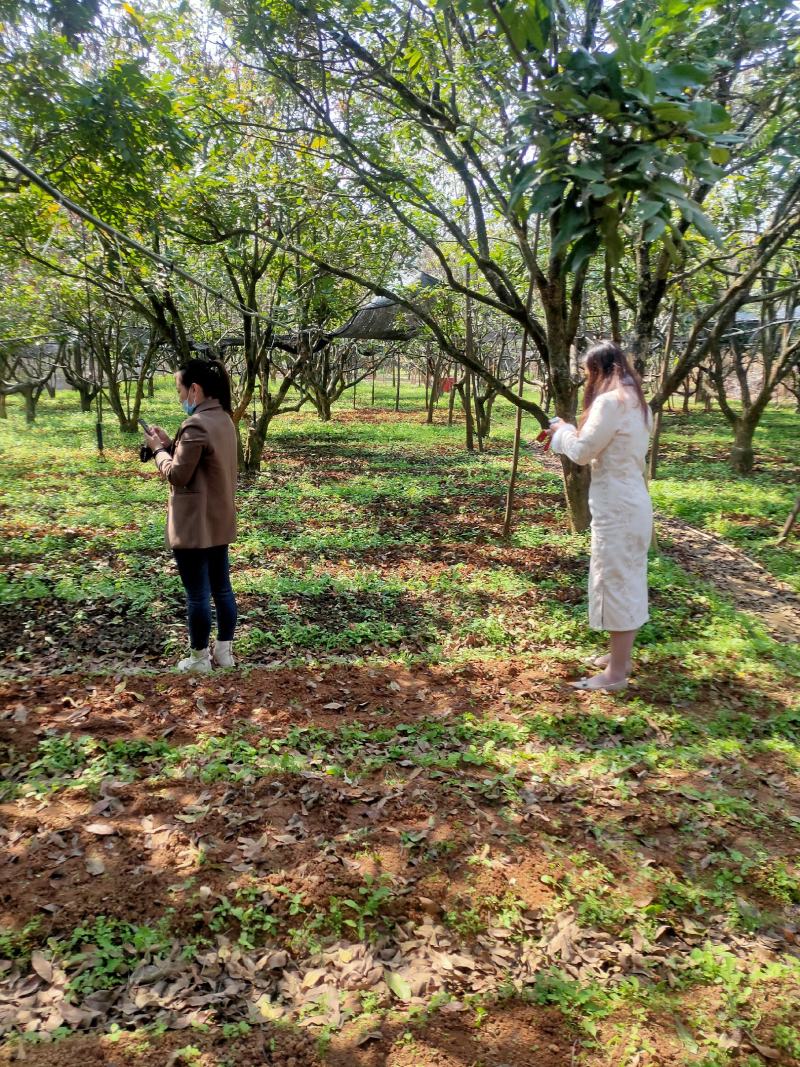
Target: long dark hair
pixel 607 366
pixel 211 376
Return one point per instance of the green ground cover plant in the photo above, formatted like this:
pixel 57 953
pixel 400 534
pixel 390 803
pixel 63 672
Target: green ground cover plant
pixel 394 816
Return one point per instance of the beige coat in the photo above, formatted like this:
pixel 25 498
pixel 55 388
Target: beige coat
pixel 614 439
pixel 201 468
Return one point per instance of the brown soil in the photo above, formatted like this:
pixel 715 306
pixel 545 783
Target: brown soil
pixel 270 1046
pixel 508 1034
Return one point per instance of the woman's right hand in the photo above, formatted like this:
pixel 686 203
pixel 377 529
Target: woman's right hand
pixel 543 439
pixel 162 435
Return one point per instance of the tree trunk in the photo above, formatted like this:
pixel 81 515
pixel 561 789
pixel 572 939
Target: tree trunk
pixel 430 403
pixel 741 455
pixel 240 461
pixel 322 402
pixel 397 393
pixel 251 458
pixel 478 430
pixel 655 444
pixel 512 479
pixel 565 398
pixel 469 347
pixel 703 395
pixel 3 406
pixel 665 360
pixel 483 414
pixel 120 402
pixel 576 488
pixel 30 405
pixel 466 398
pixel 788 525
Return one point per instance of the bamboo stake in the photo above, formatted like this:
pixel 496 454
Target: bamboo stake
pixel 512 479
pixel 523 355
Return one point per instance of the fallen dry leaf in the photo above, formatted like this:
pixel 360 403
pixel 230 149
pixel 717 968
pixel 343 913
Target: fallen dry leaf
pixel 42 966
pixel 765 1050
pixel 373 1035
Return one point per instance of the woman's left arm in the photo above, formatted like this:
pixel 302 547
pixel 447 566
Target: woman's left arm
pixel 179 467
pixel 584 445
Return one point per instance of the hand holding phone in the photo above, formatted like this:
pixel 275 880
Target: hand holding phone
pixel 155 436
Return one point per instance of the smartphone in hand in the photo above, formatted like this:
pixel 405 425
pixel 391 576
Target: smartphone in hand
pixel 144 426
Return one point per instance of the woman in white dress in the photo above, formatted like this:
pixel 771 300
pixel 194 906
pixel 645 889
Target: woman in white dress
pixel 613 435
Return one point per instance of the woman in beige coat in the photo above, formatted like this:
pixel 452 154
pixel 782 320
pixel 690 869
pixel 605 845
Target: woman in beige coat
pixel 613 435
pixel 201 468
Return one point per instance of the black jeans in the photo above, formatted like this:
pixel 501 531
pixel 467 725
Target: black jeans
pixel 205 574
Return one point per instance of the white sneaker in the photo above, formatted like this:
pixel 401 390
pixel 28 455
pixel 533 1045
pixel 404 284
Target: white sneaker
pixel 223 654
pixel 197 662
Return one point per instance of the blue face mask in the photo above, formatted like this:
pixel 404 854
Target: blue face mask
pixel 187 407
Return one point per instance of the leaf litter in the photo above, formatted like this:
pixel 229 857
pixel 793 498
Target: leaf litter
pixel 339 846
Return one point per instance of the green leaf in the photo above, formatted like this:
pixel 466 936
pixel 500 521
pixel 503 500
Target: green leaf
pixel 675 79
pixel 398 985
pixel 671 112
pixel 654 229
pixel 649 208
pixel 669 187
pixel 686 1037
pixel 599 190
pixel 581 250
pixel 547 195
pixel 573 224
pixel 590 171
pixel 528 23
pixel 601 105
pixel 413 58
pixel 699 220
pixel 524 180
pixel 709 117
pixel 707 171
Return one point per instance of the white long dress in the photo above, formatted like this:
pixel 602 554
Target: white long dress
pixel 614 440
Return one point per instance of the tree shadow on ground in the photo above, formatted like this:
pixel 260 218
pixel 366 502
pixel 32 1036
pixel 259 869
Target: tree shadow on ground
pixel 340 826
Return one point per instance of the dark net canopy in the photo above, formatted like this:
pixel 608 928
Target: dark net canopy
pixel 384 319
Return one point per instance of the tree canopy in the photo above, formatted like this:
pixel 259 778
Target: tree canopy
pixel 556 165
